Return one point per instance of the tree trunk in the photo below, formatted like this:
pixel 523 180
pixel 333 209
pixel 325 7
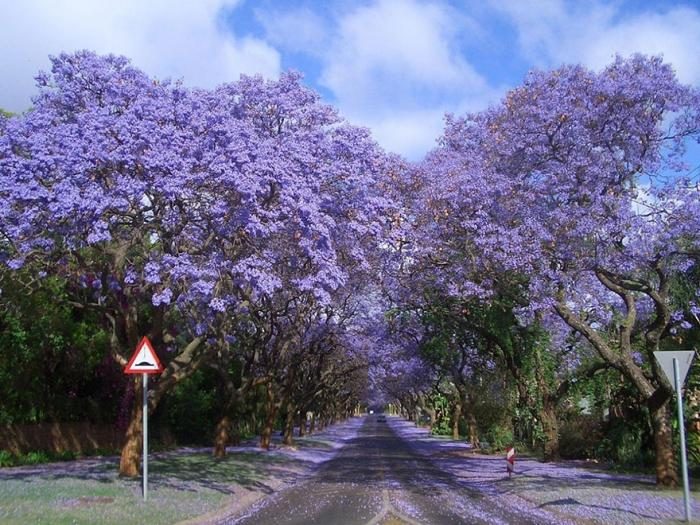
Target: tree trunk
pixel 456 414
pixel 222 436
pixel 312 425
pixel 129 463
pixel 547 414
pixel 268 425
pixel 550 429
pixel 472 430
pixel 666 466
pixel 302 423
pixel 289 425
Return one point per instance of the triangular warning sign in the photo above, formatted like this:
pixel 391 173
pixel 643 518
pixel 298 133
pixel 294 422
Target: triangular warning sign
pixel 684 358
pixel 144 360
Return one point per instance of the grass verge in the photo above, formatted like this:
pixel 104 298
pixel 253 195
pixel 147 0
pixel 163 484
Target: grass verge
pixel 90 491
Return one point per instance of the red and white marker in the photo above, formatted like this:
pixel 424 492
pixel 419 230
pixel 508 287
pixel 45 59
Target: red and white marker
pixel 510 460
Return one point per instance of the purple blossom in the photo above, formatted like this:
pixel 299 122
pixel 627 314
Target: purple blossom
pixel 164 297
pixel 152 273
pixel 217 304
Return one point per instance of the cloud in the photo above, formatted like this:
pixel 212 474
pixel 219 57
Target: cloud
pixel 394 44
pixel 409 132
pixel 394 66
pixel 166 39
pixel 554 31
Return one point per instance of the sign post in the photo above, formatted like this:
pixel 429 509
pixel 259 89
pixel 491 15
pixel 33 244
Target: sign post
pixel 144 361
pixel 676 365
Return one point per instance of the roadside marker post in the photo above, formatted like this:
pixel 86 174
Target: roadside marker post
pixel 510 460
pixel 144 361
pixel 675 366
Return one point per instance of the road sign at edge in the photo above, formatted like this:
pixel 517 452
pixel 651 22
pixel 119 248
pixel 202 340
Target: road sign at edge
pixel 145 360
pixel 684 358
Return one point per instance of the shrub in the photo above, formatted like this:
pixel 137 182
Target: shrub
pixel 624 444
pixel 66 455
pixel 191 409
pixel 579 437
pixel 6 459
pixel 693 446
pixel 442 427
pixel 34 458
pixel 499 437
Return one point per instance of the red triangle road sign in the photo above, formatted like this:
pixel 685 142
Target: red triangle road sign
pixel 145 360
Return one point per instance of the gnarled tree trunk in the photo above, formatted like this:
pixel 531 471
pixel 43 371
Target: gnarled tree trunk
pixel 288 438
pixel 222 436
pixel 130 460
pixel 269 423
pixel 550 428
pixel 456 415
pixel 666 462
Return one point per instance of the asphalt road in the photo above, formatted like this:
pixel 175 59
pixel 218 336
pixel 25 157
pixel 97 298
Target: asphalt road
pixel 377 479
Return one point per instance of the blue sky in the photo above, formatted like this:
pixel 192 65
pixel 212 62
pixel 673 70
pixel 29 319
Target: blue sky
pixel 395 66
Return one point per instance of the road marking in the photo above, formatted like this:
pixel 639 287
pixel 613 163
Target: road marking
pixel 389 510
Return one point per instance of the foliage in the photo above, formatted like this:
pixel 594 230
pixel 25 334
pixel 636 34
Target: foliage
pixel 6 459
pixel 625 444
pixel 580 437
pixel 258 239
pixel 499 437
pixel 442 426
pixel 191 409
pixel 35 457
pixel 52 366
pixel 693 447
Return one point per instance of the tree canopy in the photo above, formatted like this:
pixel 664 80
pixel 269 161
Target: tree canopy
pixel 251 231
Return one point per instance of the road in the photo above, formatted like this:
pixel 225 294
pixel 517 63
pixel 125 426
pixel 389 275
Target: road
pixel 377 479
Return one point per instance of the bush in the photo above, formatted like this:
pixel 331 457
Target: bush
pixel 624 444
pixel 499 437
pixel 6 459
pixel 442 427
pixel 579 437
pixel 34 458
pixel 693 446
pixel 192 409
pixel 66 455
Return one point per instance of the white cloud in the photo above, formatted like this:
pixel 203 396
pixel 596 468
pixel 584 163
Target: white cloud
pixel 395 66
pixel 393 49
pixel 554 31
pixel 164 38
pixel 410 133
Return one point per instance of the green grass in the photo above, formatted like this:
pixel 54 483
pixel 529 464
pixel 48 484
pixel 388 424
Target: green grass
pixel 180 487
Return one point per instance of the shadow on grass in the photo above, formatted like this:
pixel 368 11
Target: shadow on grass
pixel 102 470
pixel 192 471
pixel 188 472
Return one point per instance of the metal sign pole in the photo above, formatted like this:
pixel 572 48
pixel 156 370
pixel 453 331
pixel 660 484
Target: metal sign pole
pixel 681 429
pixel 145 437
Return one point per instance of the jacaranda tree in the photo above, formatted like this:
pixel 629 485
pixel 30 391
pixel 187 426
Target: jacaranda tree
pixel 572 186
pixel 168 208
